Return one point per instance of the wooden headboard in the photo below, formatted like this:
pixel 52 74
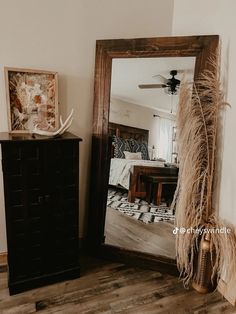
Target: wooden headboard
pixel 125 131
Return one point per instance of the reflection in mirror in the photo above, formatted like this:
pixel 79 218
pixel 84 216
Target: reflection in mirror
pixel 144 155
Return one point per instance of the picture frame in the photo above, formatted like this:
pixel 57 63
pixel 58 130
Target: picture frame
pixel 32 99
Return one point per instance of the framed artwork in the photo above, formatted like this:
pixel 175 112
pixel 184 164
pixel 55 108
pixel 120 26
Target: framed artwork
pixel 32 99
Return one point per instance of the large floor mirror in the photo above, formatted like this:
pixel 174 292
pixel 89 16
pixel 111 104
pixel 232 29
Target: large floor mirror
pixel 135 155
pixel 144 158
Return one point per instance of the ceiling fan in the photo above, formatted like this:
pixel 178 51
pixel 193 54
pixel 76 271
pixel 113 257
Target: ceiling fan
pixel 171 85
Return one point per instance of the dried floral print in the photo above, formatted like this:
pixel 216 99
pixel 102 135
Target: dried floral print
pixel 32 100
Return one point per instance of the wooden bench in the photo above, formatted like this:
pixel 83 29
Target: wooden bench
pixel 137 187
pixel 154 186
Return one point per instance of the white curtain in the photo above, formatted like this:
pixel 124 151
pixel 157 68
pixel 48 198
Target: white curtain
pixel 165 139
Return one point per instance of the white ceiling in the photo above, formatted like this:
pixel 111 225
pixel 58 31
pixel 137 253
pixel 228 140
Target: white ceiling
pixel 128 73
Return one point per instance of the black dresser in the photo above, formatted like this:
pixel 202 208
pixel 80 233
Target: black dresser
pixel 41 188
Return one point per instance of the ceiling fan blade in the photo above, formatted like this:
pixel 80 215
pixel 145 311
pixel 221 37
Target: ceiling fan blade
pixel 162 79
pixel 143 86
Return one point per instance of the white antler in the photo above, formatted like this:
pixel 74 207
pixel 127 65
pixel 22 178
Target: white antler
pixel 63 127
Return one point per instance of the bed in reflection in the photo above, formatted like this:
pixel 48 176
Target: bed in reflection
pixel 131 167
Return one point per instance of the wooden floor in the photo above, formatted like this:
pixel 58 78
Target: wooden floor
pixel 106 287
pixel 126 232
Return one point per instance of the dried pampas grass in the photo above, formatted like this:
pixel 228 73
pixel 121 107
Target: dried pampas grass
pixel 197 125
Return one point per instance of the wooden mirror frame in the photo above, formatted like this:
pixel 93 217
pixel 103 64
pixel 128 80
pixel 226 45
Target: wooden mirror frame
pixel 201 47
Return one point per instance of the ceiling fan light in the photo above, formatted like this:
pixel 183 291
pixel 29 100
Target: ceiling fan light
pixel 170 90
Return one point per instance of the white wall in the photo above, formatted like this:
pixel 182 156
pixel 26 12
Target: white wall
pixel 217 17
pixel 60 35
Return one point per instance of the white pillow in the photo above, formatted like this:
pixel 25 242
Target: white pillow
pixel 134 156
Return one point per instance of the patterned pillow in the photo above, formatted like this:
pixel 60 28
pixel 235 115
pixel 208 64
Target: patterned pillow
pixel 139 147
pixel 121 145
pixel 144 151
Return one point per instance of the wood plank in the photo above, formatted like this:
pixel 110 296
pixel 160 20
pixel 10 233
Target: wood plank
pixel 156 238
pixel 110 288
pixel 21 309
pixel 196 303
pixel 120 298
pixel 105 289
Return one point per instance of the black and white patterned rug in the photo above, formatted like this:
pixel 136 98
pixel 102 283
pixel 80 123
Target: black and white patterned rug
pixel 140 209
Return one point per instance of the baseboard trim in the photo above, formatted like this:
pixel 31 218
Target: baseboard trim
pixel 3 258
